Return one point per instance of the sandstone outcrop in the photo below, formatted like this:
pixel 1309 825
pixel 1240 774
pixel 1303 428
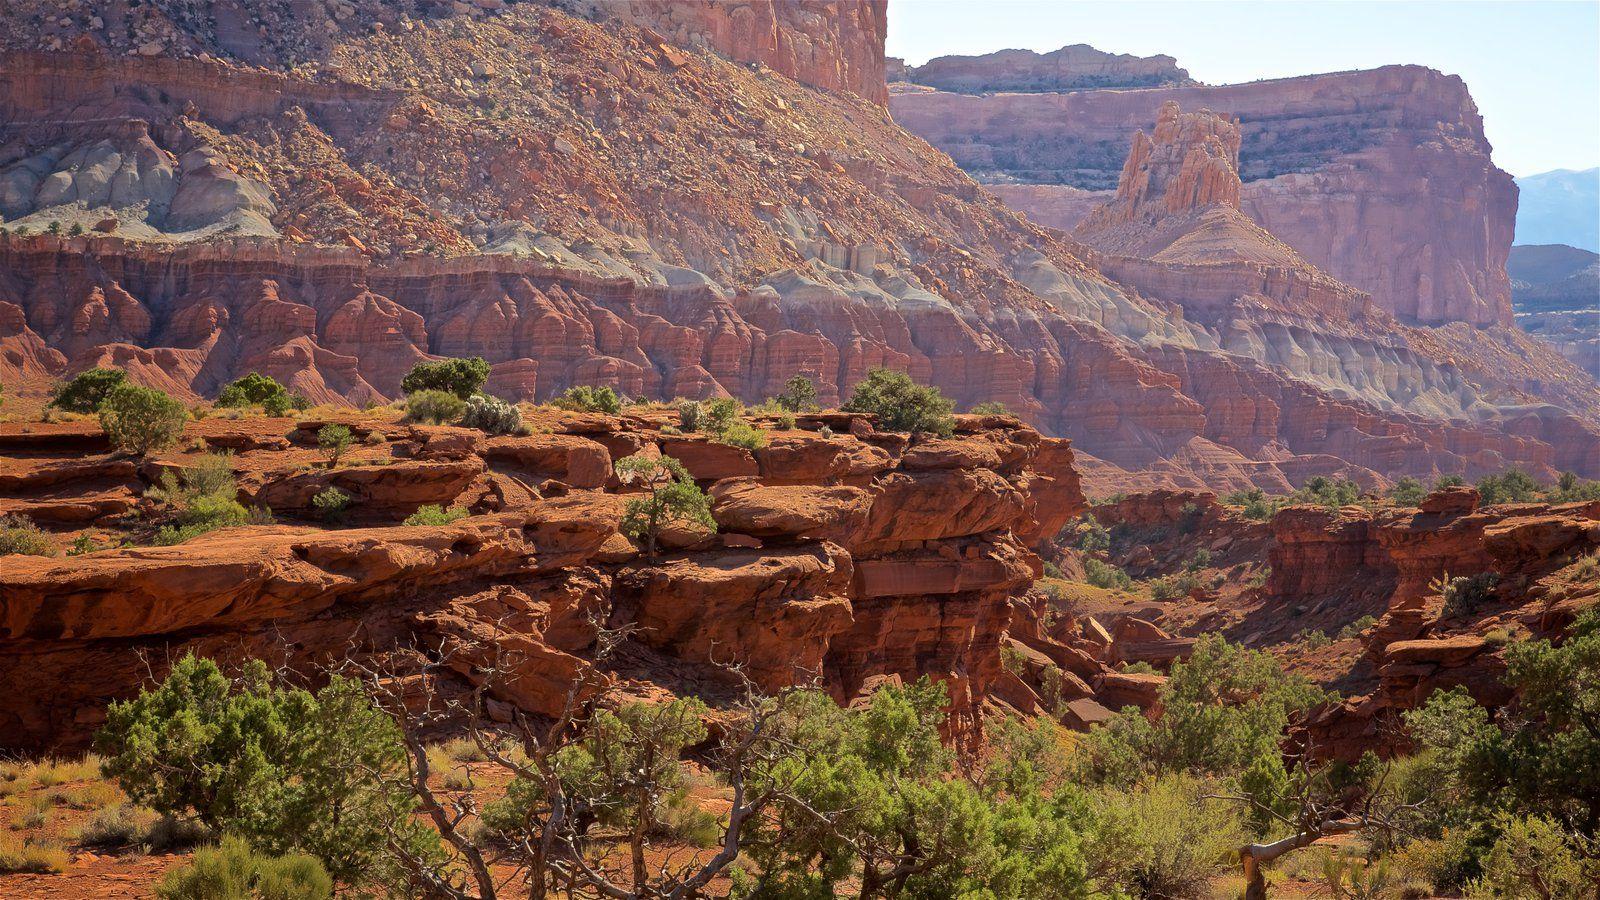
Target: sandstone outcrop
pixel 1421 643
pixel 809 578
pixel 1382 178
pixel 1075 67
pixel 829 44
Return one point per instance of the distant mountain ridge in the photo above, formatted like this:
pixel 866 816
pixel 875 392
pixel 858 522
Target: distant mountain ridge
pixel 1560 207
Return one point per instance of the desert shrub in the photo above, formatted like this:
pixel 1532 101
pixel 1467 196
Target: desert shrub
pixel 990 408
pixel 334 440
pixel 1200 560
pixel 461 377
pixel 118 826
pixel 1259 577
pixel 20 536
pixel 286 768
pixel 905 821
pixel 1448 481
pixel 434 407
pixel 1350 876
pixel 1162 838
pixel 690 413
pixel 1105 575
pixel 434 514
pixel 742 434
pixel 20 854
pixel 901 404
pixel 1407 491
pixel 1224 714
pixel 584 398
pixel 672 498
pixel 1313 638
pixel 1355 628
pixel 799 395
pixel 1464 595
pixel 331 504
pixel 720 414
pixel 87 390
pixel 140 420
pixel 1089 535
pixel 491 415
pixel 255 389
pixel 1511 486
pixel 1172 587
pixel 232 871
pixel 1572 489
pixel 205 498
pixel 1328 492
pixel 1255 504
pixel 1534 859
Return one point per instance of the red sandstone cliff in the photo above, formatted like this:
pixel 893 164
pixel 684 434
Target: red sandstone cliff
pixel 850 556
pixel 1382 178
pixel 1076 67
pixel 836 45
pixel 586 202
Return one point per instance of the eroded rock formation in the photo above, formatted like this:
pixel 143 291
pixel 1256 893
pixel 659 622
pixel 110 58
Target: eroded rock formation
pixel 856 558
pixel 1382 178
pixel 1074 67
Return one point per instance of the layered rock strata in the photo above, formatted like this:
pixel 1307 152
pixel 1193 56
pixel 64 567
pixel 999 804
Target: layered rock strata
pixel 1382 178
pixel 856 558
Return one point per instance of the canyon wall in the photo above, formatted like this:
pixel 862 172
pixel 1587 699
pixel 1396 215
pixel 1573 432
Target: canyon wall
pixel 1075 67
pixel 836 45
pixel 1382 178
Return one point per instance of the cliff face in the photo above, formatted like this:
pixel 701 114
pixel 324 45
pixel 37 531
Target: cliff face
pixel 1381 178
pixel 850 557
pixel 1075 67
pixel 836 45
pixel 582 200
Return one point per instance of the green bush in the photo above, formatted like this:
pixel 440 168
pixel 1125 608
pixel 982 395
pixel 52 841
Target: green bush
pixel 434 514
pixel 491 415
pixel 434 407
pixel 690 412
pixel 331 504
pixel 799 395
pixel 461 377
pixel 205 498
pixel 334 440
pixel 990 408
pixel 720 414
pixel 87 390
pixel 255 389
pixel 742 434
pixel 289 770
pixel 584 398
pixel 1407 491
pixel 1225 712
pixel 1162 838
pixel 1511 486
pixel 1534 859
pixel 1104 575
pixel 19 535
pixel 141 420
pixel 232 871
pixel 672 498
pixel 1464 595
pixel 905 820
pixel 901 404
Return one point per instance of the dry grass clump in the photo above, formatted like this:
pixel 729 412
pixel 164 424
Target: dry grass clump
pixel 19 854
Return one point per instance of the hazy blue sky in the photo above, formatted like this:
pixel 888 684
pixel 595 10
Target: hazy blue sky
pixel 1532 67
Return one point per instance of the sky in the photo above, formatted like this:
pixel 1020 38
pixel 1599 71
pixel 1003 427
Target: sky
pixel 1533 66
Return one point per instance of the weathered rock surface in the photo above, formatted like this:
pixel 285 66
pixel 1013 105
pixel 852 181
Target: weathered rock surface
pixel 838 583
pixel 1382 178
pixel 1074 67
